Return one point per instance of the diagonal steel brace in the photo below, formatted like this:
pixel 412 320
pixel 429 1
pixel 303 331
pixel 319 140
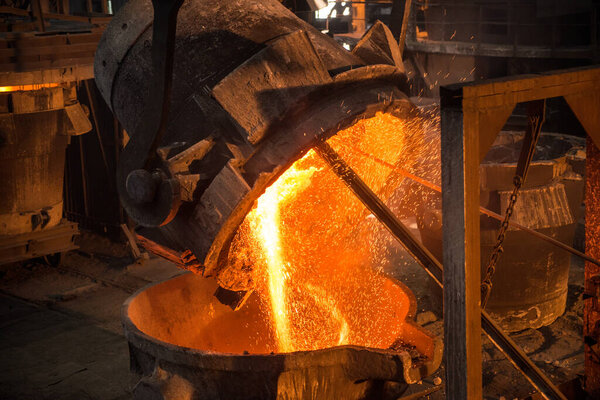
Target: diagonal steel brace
pixel 434 268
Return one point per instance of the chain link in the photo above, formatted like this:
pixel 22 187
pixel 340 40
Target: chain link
pixel 535 124
pixel 486 284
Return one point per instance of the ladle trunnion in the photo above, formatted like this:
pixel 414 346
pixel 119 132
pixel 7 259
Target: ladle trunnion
pixel 253 90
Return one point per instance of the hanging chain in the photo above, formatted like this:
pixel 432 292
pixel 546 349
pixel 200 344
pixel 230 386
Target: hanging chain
pixel 535 120
pixel 486 284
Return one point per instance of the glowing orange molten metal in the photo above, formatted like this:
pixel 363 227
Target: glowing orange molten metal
pixel 265 224
pixel 316 251
pixel 20 88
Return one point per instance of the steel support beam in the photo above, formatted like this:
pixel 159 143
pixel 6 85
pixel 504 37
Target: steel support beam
pixel 462 271
pixel 466 109
pixel 591 317
pixel 433 267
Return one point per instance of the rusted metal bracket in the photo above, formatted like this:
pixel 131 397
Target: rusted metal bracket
pixel 150 194
pixel 434 268
pixel 593 290
pixel 184 260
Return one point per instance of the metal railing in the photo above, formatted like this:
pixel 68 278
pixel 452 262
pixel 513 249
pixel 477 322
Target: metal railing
pixel 504 28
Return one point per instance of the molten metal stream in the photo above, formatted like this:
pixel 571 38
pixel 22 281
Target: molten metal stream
pixel 316 255
pixel 265 220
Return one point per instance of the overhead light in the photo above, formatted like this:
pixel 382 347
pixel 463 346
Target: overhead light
pixel 316 4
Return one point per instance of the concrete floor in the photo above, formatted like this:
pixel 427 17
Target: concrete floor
pixel 53 354
pixel 556 349
pixel 61 338
pixel 60 335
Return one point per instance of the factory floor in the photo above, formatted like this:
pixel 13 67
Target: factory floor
pixel 61 337
pixel 556 349
pixel 60 330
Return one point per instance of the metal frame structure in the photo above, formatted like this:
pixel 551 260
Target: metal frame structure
pixel 507 19
pixel 472 116
pixel 33 56
pixel 464 319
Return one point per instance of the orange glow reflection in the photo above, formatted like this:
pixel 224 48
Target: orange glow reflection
pixel 19 88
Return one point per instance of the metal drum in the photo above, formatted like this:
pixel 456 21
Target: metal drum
pixel 531 280
pixel 34 132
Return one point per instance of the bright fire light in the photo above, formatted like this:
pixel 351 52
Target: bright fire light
pixel 315 253
pixel 265 220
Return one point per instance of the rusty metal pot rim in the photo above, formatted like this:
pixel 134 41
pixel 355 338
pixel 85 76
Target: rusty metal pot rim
pixel 533 163
pixel 232 361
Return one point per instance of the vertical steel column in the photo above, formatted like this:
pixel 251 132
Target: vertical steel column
pixel 460 204
pixel 591 323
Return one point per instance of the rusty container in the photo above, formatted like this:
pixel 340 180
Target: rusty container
pixel 35 126
pixel 254 89
pixel 185 344
pixel 531 279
